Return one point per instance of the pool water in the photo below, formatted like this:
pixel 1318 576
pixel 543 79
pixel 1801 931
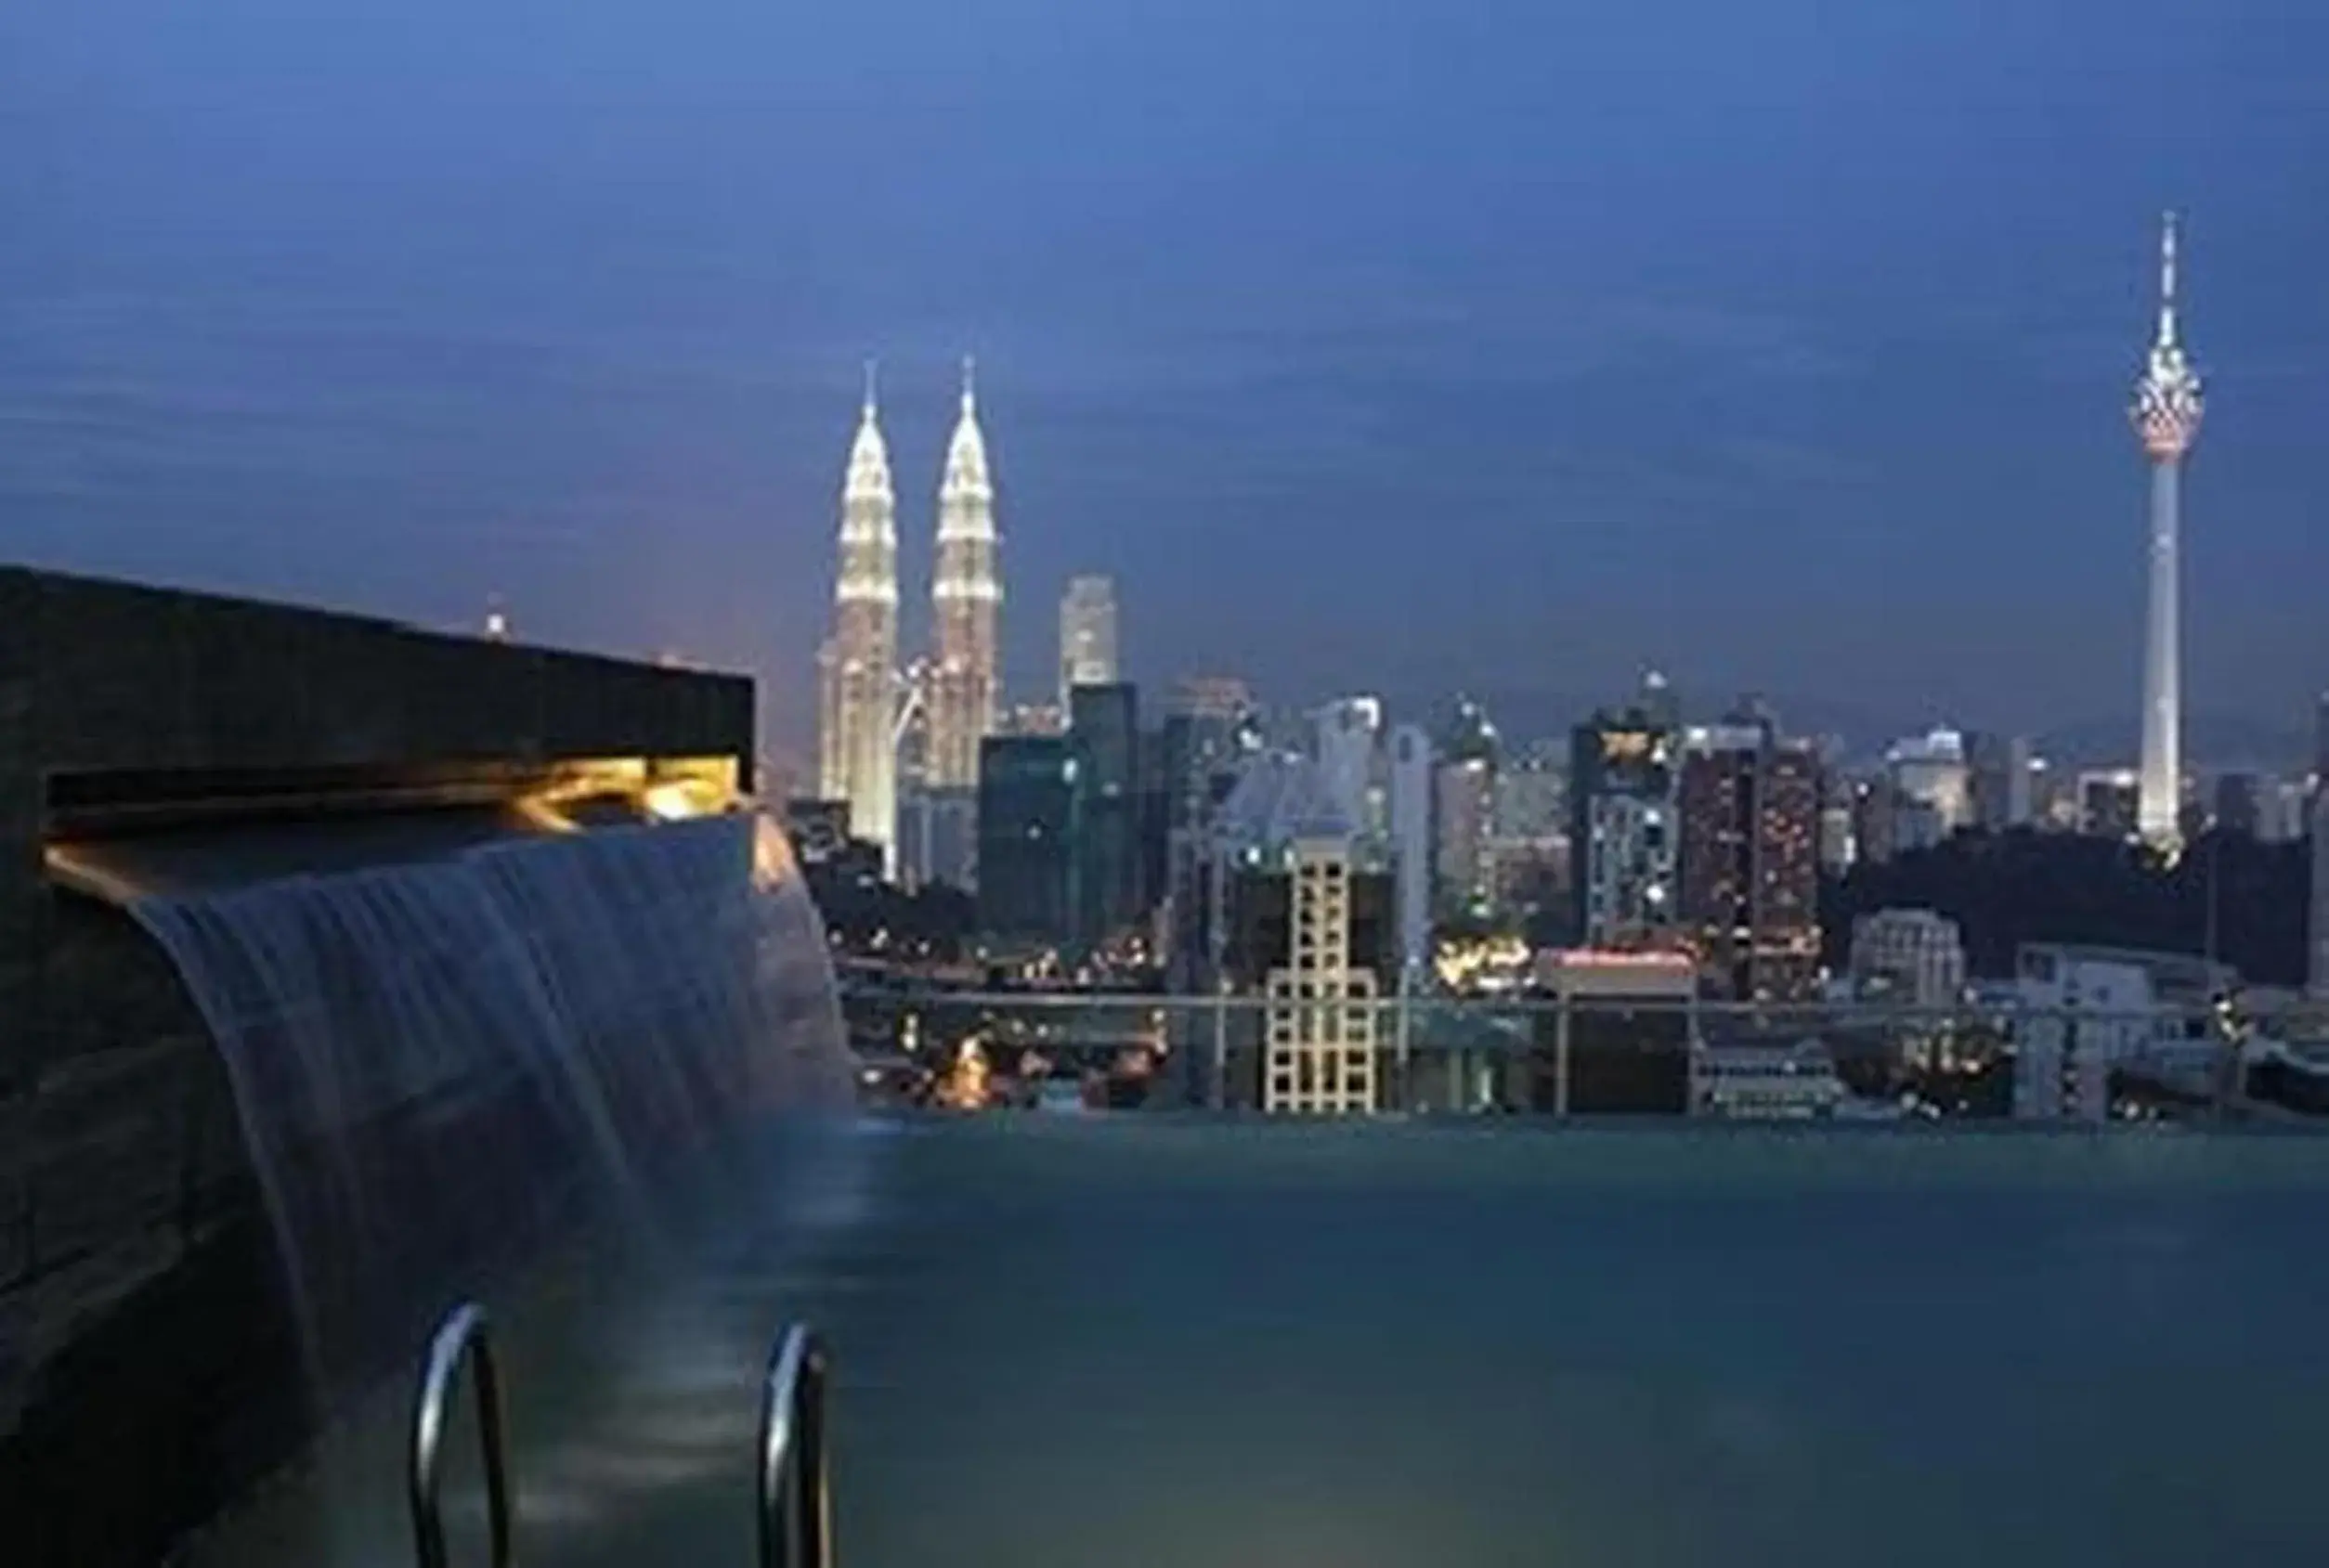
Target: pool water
pixel 1116 1342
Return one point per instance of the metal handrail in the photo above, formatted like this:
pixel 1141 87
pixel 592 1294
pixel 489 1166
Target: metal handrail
pixel 461 1338
pixel 793 1449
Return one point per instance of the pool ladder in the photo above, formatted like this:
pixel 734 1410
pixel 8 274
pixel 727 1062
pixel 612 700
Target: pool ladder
pixel 792 1484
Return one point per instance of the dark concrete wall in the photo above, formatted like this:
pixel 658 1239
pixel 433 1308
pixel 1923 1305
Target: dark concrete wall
pixel 135 1324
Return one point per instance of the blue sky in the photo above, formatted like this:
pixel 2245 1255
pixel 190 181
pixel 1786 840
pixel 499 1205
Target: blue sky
pixel 1370 345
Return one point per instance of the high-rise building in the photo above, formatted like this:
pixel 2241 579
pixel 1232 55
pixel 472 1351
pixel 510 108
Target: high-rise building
pixel 1464 801
pixel 938 837
pixel 1087 635
pixel 1531 796
pixel 1104 730
pixel 2053 796
pixel 1028 826
pixel 1838 846
pixel 1465 795
pixel 2167 416
pixel 1659 700
pixel 1932 788
pixel 1528 847
pixel 1750 860
pixel 1410 849
pixel 1873 822
pixel 2109 802
pixel 1200 744
pixel 1319 1056
pixel 857 667
pixel 1913 957
pixel 1621 831
pixel 1349 732
pixel 965 594
pixel 1997 780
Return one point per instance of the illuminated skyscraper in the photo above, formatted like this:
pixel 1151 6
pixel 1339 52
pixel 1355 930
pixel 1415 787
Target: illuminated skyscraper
pixel 1410 849
pixel 965 597
pixel 1350 733
pixel 2167 416
pixel 1621 831
pixel 1749 863
pixel 1088 636
pixel 1465 804
pixel 857 667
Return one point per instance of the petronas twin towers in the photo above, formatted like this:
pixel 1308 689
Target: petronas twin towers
pixel 863 698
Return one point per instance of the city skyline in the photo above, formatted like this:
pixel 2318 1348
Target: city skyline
pixel 1642 356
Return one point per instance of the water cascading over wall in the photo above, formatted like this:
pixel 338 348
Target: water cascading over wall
pixel 431 1059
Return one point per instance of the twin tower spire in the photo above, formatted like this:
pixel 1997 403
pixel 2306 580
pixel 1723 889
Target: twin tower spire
pixel 859 686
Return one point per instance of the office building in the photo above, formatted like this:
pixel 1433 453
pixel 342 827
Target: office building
pixel 1998 777
pixel 1932 789
pixel 1658 701
pixel 1839 834
pixel 1028 828
pixel 965 597
pixel 1749 868
pixel 2109 802
pixel 1528 850
pixel 857 667
pixel 1531 797
pixel 1087 635
pixel 1411 789
pixel 1912 957
pixel 2167 416
pixel 1103 730
pixel 1320 1036
pixel 1465 794
pixel 1347 738
pixel 1622 840
pixel 1201 743
pixel 1873 820
pixel 1838 848
pixel 1465 804
pixel 938 837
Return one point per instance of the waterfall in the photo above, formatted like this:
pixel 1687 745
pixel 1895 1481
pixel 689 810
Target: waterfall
pixel 431 1061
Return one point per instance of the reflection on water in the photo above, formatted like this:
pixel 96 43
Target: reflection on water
pixel 1110 1342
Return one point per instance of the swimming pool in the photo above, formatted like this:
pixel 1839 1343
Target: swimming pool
pixel 1079 1341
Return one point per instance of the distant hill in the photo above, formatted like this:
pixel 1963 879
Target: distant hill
pixel 2244 900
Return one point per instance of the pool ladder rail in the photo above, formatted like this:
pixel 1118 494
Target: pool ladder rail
pixel 793 1477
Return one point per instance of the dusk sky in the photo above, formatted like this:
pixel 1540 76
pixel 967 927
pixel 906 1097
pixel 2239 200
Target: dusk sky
pixel 1369 346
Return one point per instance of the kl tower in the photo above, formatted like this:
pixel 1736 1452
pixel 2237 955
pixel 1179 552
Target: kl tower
pixel 2167 416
